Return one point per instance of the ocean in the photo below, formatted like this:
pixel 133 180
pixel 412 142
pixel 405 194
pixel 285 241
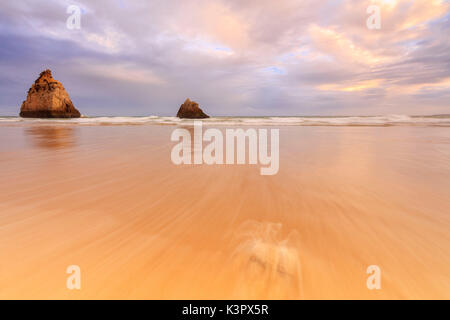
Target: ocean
pixel 386 120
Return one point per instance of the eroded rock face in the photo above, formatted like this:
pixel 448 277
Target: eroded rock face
pixel 190 110
pixel 47 98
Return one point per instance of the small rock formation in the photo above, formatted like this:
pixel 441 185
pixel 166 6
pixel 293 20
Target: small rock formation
pixel 189 109
pixel 47 98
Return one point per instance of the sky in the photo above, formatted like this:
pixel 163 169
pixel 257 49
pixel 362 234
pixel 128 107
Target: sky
pixel 234 57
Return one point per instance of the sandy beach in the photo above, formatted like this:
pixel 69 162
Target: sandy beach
pixel 108 199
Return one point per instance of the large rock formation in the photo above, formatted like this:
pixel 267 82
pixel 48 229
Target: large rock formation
pixel 47 98
pixel 189 109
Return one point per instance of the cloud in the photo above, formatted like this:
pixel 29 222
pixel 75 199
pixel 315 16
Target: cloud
pixel 255 57
pixel 351 87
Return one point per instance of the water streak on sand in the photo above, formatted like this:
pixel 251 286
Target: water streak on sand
pixel 110 200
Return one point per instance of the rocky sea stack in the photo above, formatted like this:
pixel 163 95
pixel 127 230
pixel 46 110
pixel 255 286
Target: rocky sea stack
pixel 190 110
pixel 47 98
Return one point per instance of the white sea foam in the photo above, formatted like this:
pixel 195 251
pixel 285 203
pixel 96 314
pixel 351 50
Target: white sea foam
pixel 387 120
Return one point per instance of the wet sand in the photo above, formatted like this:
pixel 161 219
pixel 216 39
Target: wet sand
pixel 109 199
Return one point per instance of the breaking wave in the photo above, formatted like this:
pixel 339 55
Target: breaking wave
pixel 387 120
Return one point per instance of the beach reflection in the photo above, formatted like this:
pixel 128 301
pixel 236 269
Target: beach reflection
pixel 140 227
pixel 51 137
